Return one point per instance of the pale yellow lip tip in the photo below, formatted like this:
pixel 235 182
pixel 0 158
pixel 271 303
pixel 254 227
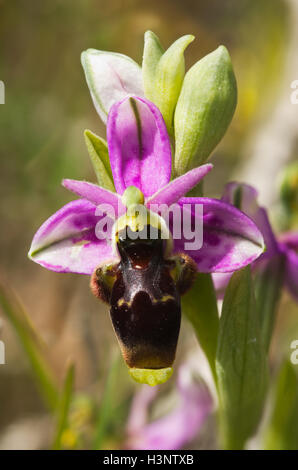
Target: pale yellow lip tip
pixel 151 377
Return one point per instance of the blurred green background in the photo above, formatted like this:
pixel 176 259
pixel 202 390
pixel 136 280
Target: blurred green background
pixel 47 107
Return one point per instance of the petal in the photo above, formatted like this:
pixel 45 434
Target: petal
pixel 110 78
pixel 180 426
pixel 288 243
pixel 244 197
pixel 139 146
pixel 220 282
pixel 231 240
pixel 290 239
pixel 66 242
pixel 139 410
pixel 292 272
pixel 95 194
pixel 177 188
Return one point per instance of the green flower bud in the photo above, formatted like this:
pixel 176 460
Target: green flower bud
pixel 153 51
pixel 204 110
pixel 163 73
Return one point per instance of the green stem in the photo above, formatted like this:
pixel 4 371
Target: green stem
pixel 28 338
pixel 200 307
pixel 268 291
pixel 64 406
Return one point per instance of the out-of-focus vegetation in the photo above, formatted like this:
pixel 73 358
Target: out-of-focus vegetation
pixel 47 108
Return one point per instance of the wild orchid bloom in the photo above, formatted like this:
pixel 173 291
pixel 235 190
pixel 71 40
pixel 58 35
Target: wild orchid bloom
pixel 142 278
pixel 285 246
pixel 178 427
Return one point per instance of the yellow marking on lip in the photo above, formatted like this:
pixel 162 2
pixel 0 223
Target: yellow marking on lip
pixel 151 377
pixel 123 302
pixel 164 298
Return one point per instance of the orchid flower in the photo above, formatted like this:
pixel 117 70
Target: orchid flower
pixel 177 428
pixel 67 242
pixel 74 239
pixel 284 246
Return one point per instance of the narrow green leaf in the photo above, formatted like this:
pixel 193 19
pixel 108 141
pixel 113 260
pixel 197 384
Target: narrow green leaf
pixel 282 432
pixel 105 414
pixel 269 285
pixel 204 109
pixel 32 346
pixel 98 151
pixel 200 307
pixel 240 362
pixel 64 406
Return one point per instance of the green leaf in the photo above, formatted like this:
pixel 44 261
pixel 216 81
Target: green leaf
pixel 282 432
pixel 200 307
pixel 105 412
pixel 204 109
pixel 32 346
pixel 64 406
pixel 269 284
pixel 240 363
pixel 163 73
pixel 98 151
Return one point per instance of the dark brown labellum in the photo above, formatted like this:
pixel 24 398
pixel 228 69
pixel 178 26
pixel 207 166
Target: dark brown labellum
pixel 145 298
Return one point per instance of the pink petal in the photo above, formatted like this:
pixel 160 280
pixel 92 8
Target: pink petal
pixel 290 239
pixel 139 146
pixel 288 243
pixel 177 188
pixel 176 429
pixel 231 240
pixel 245 196
pixel 220 282
pixel 292 272
pixel 67 242
pixel 95 194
